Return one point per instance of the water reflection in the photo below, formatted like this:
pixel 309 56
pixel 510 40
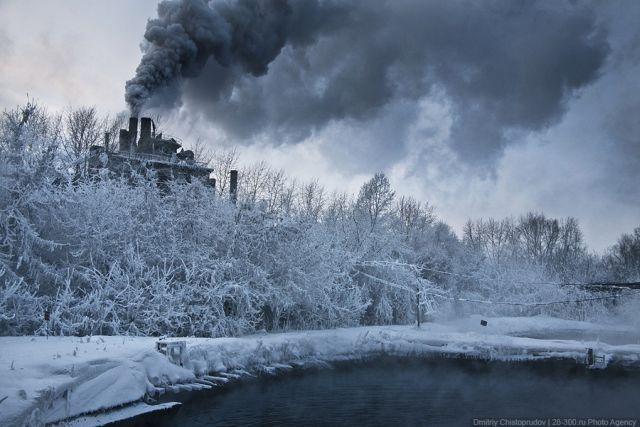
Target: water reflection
pixel 442 392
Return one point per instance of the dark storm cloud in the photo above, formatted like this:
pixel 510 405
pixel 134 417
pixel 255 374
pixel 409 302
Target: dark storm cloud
pixel 282 70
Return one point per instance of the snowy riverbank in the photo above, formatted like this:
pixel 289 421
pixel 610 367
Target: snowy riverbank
pixel 51 379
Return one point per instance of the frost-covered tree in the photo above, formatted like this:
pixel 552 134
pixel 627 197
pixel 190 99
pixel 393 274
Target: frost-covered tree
pixel 108 256
pixel 223 162
pixel 374 201
pixel 82 129
pixel 623 259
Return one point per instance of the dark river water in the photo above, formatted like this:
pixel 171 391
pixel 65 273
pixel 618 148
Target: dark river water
pixel 435 392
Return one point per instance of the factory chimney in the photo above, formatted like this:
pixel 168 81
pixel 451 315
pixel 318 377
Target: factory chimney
pixel 133 133
pixel 145 128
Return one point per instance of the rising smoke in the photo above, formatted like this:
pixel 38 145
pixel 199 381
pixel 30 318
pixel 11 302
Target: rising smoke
pixel 187 33
pixel 290 68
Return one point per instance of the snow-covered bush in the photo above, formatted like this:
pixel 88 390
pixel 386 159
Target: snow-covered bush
pixel 109 256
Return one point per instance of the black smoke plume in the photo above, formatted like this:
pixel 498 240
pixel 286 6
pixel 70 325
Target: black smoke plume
pixel 187 33
pixel 289 68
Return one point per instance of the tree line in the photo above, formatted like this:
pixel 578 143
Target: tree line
pixel 114 256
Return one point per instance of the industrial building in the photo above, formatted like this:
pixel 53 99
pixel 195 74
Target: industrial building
pixel 149 154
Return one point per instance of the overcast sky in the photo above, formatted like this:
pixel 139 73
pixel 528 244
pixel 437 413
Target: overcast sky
pixel 481 108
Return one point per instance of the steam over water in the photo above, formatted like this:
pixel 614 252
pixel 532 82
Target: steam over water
pixel 442 392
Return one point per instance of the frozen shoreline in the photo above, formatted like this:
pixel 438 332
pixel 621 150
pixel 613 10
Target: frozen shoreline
pixel 51 379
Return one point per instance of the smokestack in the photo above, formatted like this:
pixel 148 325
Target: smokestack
pixel 145 128
pixel 133 132
pixel 123 140
pixel 233 186
pixel 107 137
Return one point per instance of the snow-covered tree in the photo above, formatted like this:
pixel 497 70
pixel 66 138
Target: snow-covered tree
pixel 108 256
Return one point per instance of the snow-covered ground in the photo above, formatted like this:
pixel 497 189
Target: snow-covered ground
pixel 50 379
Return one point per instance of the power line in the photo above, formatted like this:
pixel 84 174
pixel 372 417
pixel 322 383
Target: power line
pixel 513 303
pixel 608 285
pixel 527 304
pixel 386 282
pixel 604 286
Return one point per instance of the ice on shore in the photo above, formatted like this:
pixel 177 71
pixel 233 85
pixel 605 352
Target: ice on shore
pixel 50 379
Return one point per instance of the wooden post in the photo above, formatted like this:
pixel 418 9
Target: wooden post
pixel 418 304
pixel 47 317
